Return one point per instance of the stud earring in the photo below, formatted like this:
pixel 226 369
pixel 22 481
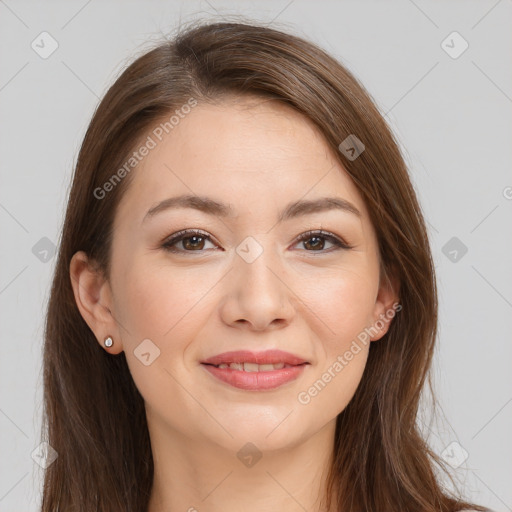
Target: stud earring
pixel 108 341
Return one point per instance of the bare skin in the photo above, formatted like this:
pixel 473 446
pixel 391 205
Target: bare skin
pixel 310 297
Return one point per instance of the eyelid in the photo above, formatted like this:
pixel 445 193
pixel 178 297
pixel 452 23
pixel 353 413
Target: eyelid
pixel 338 241
pixel 185 233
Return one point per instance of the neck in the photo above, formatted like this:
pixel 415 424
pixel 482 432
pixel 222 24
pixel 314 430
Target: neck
pixel 196 474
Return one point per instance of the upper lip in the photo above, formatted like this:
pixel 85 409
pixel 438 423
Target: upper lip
pixel 247 356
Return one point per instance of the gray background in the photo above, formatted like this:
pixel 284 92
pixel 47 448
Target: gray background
pixel 452 116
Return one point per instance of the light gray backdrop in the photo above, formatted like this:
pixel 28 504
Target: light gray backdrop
pixel 449 105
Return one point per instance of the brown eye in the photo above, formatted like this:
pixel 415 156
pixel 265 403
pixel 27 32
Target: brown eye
pixel 191 240
pixel 314 241
pixel 318 243
pixel 194 241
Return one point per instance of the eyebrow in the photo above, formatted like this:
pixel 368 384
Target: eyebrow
pixel 292 210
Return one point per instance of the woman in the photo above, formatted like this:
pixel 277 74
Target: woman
pixel 205 349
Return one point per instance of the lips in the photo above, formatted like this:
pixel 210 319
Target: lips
pixel 255 371
pixel 268 357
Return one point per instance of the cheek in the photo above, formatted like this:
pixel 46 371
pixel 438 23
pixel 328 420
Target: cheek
pixel 342 304
pixel 334 386
pixel 156 303
pixel 161 306
pixel 341 307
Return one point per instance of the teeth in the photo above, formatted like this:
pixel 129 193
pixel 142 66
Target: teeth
pixel 253 367
pixel 270 367
pixel 250 367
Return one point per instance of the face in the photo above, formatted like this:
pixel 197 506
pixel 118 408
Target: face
pixel 255 276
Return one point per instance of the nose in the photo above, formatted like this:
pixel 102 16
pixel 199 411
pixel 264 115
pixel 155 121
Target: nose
pixel 257 296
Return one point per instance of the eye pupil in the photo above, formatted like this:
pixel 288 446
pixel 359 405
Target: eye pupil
pixel 187 239
pixel 317 238
pixel 194 242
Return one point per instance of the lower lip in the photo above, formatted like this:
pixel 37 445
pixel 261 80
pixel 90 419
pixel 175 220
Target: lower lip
pixel 256 381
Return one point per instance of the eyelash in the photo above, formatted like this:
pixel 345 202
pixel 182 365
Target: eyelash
pixel 188 233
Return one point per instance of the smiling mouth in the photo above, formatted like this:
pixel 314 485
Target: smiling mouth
pixel 256 377
pixel 254 367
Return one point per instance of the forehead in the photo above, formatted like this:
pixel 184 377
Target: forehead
pixel 250 152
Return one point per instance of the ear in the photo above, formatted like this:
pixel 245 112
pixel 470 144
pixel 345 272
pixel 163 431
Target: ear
pixel 386 305
pixel 94 300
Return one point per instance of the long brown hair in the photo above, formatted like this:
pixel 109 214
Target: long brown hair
pixel 94 416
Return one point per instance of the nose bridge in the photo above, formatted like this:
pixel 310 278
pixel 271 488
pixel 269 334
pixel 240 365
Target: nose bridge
pixel 257 292
pixel 257 264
